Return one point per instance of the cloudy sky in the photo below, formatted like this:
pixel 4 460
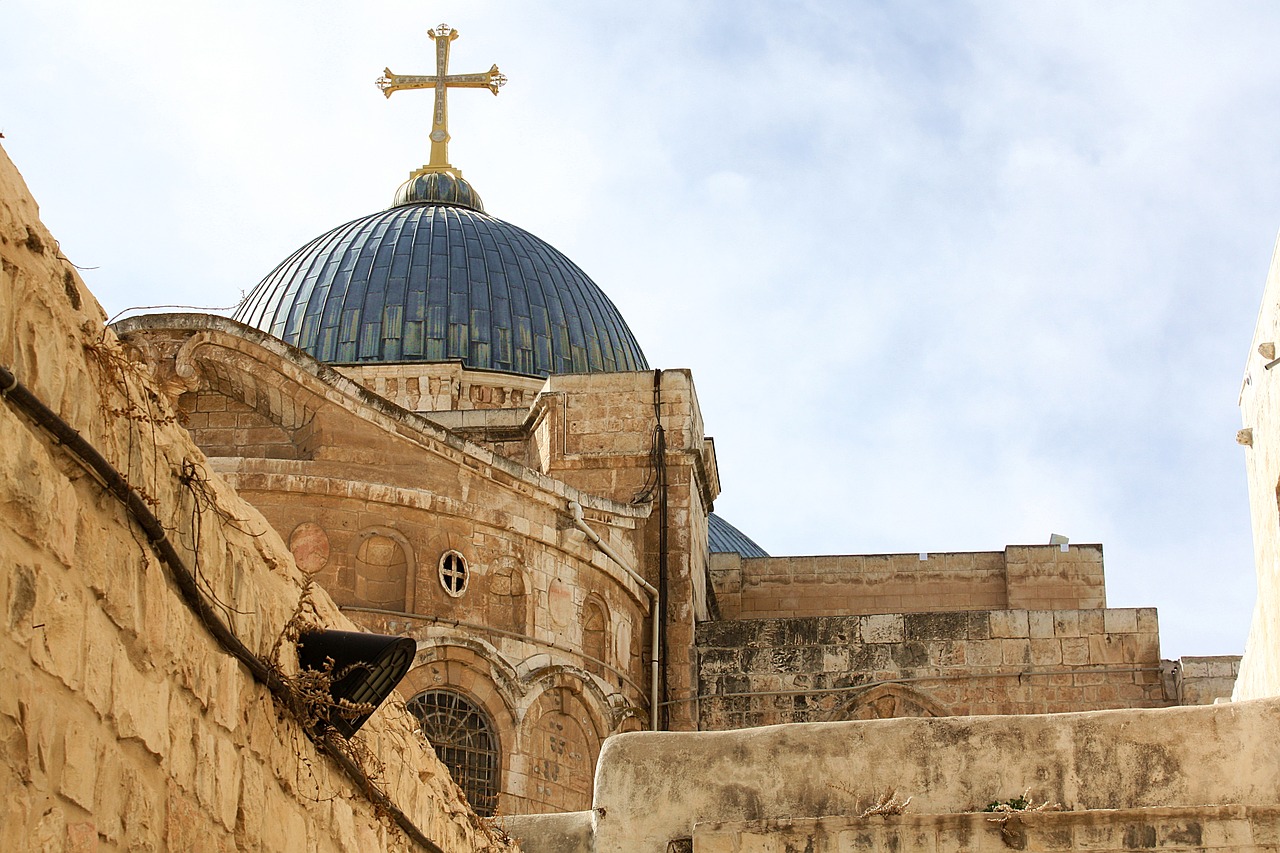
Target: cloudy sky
pixel 949 275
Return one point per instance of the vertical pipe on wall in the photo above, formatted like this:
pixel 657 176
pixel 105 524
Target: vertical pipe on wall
pixel 660 464
pixel 575 510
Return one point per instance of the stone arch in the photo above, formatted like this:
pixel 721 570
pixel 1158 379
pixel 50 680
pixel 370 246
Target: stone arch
pixel 560 739
pixel 273 417
pixel 598 704
pixel 383 569
pixel 475 669
pixel 888 700
pixel 465 740
pixel 483 678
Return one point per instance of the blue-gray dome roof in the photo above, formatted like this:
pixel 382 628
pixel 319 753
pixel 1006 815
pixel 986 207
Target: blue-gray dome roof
pixel 724 538
pixel 436 282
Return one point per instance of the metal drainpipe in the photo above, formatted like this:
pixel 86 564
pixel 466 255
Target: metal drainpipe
pixel 575 509
pixel 660 463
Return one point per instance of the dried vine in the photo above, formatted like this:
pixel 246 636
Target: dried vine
pixel 1009 817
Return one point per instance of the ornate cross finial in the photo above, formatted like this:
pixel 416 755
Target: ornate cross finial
pixel 441 81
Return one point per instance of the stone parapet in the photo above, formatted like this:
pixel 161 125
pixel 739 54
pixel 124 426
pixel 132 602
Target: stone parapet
pixel 1044 577
pixel 653 789
pixel 569 832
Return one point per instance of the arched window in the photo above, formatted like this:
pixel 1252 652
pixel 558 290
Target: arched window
pixel 464 739
pixel 885 701
pixel 506 599
pixel 594 629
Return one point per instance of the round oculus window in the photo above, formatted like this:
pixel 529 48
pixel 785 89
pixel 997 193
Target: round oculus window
pixel 453 573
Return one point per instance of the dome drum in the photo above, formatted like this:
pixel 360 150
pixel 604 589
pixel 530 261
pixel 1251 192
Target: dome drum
pixel 439 188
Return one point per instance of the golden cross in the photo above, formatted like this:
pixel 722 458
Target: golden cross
pixel 441 81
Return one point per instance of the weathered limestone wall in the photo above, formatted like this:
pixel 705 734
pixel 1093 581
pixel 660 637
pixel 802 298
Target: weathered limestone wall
pixel 595 432
pixel 1177 829
pixel 123 723
pixel 1204 680
pixel 653 788
pixel 544 636
pixel 552 833
pixel 976 662
pixel 1028 577
pixel 1260 416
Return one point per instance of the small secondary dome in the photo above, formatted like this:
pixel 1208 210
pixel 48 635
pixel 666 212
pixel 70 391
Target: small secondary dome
pixel 434 278
pixel 724 538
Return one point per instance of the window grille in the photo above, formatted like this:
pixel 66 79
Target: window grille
pixel 465 741
pixel 453 573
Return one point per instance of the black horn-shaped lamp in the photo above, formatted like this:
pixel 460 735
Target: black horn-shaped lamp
pixel 366 668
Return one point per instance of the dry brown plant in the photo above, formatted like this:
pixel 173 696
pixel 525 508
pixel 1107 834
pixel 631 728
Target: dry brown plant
pixel 887 804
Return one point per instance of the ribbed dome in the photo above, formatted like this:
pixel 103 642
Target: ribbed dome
pixel 435 282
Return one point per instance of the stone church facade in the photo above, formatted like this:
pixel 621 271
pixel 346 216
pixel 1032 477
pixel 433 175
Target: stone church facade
pixel 456 527
pixel 125 725
pixel 441 423
pixel 461 441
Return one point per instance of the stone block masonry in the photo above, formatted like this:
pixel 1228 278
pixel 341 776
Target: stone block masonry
pixel 123 724
pixel 1166 829
pixel 755 672
pixel 1027 577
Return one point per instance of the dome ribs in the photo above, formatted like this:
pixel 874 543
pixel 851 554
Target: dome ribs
pixel 423 282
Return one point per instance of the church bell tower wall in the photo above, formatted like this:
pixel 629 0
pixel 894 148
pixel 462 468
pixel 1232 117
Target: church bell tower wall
pixel 596 432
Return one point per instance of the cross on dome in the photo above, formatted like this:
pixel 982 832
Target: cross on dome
pixel 441 82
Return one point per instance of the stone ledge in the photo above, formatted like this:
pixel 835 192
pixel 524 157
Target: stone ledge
pixel 1218 827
